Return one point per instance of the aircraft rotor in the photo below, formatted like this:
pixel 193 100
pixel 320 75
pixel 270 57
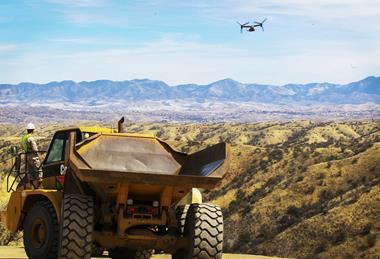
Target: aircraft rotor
pixel 260 24
pixel 242 26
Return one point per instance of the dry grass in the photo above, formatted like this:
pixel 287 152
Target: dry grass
pixel 294 189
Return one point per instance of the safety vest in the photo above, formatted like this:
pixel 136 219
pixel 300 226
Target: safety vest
pixel 24 141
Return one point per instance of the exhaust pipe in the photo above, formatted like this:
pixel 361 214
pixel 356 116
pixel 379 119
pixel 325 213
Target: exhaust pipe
pixel 120 125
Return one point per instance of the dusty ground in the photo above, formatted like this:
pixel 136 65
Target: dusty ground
pixel 11 252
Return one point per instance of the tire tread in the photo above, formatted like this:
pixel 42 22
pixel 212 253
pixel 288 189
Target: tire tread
pixel 77 227
pixel 204 229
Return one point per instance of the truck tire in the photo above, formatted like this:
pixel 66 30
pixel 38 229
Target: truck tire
pixel 76 227
pixel 41 231
pixel 204 233
pixel 181 216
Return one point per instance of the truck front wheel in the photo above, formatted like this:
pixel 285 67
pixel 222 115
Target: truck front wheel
pixel 204 233
pixel 41 231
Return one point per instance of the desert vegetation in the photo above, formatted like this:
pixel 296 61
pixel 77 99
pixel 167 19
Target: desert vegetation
pixel 295 189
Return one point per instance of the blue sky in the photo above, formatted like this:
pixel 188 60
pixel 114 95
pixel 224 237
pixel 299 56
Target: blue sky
pixel 189 41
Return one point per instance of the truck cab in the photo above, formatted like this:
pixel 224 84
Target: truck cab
pixel 53 167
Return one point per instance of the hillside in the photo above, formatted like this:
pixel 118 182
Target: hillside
pixel 295 189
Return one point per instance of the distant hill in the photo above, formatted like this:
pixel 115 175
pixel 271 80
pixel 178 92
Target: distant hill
pixel 363 91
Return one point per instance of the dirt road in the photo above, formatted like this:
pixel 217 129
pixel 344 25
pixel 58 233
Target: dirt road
pixel 11 252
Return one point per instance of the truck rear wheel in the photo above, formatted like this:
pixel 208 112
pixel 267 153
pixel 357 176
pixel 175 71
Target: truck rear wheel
pixel 41 231
pixel 76 227
pixel 204 233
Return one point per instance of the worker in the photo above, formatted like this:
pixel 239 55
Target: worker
pixel 29 145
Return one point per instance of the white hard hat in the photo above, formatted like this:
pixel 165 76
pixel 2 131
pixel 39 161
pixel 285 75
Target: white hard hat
pixel 30 126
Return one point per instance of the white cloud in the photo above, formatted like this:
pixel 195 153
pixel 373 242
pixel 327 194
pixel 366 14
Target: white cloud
pixel 88 12
pixel 87 18
pixel 8 47
pixel 321 9
pixel 283 54
pixel 184 62
pixel 79 3
pixel 86 41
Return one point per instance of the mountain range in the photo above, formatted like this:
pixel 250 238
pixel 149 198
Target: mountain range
pixel 363 91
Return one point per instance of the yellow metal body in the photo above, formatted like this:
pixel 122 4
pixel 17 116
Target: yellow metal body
pixel 134 158
pixel 21 200
pixel 192 197
pixel 121 166
pixel 92 129
pixel 101 130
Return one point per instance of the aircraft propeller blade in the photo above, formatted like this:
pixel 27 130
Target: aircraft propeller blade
pixel 242 24
pixel 260 24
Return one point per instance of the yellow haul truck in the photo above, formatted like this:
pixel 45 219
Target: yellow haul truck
pixel 129 194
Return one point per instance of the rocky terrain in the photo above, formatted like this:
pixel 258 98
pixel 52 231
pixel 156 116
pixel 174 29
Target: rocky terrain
pixel 295 189
pixel 181 111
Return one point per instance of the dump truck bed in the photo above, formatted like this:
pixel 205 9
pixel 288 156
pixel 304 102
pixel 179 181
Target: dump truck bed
pixel 132 158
